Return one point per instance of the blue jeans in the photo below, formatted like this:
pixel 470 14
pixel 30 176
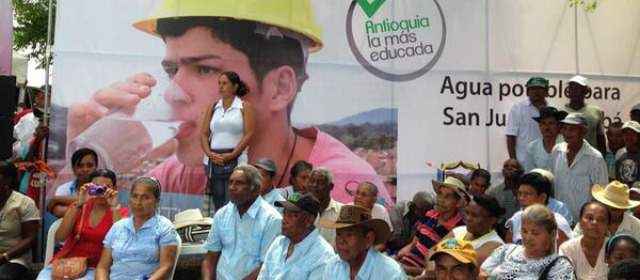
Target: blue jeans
pixel 217 189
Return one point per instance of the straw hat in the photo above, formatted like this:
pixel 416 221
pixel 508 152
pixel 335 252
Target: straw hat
pixel 615 195
pixel 454 184
pixel 190 217
pixel 575 119
pixel 353 216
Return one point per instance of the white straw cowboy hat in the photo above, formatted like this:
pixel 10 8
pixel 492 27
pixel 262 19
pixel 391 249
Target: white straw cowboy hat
pixel 454 184
pixel 615 195
pixel 190 217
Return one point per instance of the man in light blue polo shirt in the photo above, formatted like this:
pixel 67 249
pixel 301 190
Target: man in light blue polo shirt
pixel 300 252
pixel 267 169
pixel 242 230
pixel 356 235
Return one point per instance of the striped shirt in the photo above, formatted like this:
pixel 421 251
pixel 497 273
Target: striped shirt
pixel 429 233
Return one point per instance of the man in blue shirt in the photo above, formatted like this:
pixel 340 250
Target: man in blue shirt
pixel 267 169
pixel 300 252
pixel 356 234
pixel 242 230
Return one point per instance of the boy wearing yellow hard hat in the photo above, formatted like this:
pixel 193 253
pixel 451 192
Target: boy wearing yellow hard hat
pixel 267 43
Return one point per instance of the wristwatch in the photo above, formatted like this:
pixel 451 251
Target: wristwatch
pixel 79 205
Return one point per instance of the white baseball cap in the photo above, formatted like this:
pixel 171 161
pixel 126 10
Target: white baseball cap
pixel 581 80
pixel 633 125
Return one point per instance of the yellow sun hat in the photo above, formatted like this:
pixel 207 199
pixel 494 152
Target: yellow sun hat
pixel 615 194
pixel 293 15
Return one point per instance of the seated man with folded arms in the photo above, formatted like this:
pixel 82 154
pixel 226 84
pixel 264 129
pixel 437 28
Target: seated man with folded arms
pixel 242 230
pixel 300 252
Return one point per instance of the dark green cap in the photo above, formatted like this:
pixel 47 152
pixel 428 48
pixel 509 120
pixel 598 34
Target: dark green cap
pixel 538 82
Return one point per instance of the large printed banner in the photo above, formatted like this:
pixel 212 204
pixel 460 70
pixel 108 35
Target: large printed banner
pixel 373 90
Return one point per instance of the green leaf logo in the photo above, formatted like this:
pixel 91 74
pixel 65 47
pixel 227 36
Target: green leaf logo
pixel 370 8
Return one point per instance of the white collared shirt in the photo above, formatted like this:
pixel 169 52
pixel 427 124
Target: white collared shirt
pixel 520 124
pixel 331 213
pixel 573 183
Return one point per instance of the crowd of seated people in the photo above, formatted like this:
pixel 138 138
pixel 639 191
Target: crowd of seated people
pixel 562 210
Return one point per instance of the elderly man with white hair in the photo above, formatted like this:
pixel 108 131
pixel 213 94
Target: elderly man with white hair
pixel 242 230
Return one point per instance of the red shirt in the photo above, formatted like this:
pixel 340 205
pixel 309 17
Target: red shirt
pixel 90 243
pixel 18 116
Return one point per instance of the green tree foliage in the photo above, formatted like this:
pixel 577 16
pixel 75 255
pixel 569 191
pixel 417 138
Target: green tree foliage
pixel 368 136
pixel 588 5
pixel 30 32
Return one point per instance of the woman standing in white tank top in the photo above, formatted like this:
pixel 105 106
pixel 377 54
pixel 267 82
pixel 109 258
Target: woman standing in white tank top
pixel 226 132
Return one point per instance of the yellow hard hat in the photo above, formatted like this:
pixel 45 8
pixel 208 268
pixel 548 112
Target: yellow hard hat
pixel 293 15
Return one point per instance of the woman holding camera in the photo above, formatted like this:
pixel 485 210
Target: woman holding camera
pixel 226 131
pixel 87 222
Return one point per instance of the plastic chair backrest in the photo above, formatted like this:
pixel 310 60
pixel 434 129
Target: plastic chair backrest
pixel 175 263
pixel 51 241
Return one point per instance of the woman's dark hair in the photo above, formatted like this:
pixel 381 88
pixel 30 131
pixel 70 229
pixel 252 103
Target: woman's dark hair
pixel 613 242
pixel 299 167
pixel 104 173
pixel 490 204
pixel 78 155
pixel 540 183
pixel 149 181
pixel 482 173
pixel 242 89
pixel 584 206
pixel 9 172
pixel 628 269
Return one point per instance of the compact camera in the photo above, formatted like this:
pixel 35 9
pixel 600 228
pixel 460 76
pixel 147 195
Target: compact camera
pixel 96 190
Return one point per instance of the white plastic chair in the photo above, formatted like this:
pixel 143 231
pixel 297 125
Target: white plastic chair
pixel 175 263
pixel 193 249
pixel 51 241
